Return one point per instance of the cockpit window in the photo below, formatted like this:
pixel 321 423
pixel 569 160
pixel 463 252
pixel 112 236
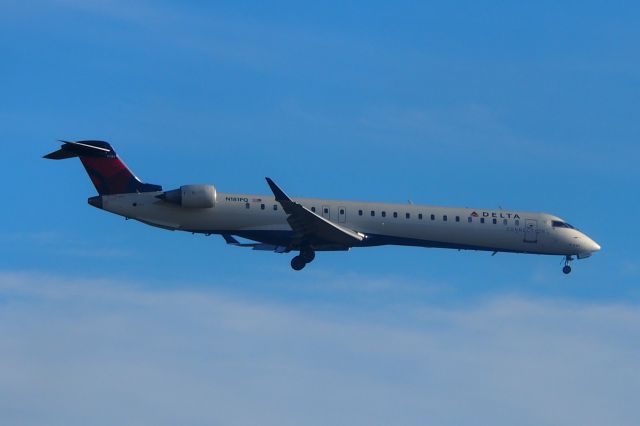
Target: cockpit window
pixel 560 224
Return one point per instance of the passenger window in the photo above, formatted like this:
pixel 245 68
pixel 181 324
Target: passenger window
pixel 384 214
pixel 482 220
pixel 359 212
pixel 313 209
pixel 444 217
pixel 261 206
pixel 341 211
pixel 395 214
pixel 373 213
pixel 246 205
pixel 517 222
pixel 420 216
pixel 457 218
pixel 469 219
pixel 275 207
pixel 433 217
pixel 495 221
pixel 326 211
pixel 407 215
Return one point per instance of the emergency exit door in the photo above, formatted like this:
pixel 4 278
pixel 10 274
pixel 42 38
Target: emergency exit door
pixel 326 212
pixel 342 215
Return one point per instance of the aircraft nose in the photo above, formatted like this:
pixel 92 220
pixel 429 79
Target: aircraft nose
pixel 591 245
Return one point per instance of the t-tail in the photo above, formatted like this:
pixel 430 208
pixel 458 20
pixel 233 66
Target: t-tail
pixel 107 172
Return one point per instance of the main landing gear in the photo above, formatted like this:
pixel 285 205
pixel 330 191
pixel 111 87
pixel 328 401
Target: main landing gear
pixel 567 265
pixel 300 261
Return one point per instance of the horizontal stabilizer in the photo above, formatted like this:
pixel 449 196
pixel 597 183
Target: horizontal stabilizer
pixel 82 149
pixel 60 154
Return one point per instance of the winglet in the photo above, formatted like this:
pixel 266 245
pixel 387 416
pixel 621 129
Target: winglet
pixel 279 193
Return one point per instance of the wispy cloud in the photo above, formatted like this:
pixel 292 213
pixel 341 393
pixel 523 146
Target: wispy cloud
pixel 72 350
pixel 64 243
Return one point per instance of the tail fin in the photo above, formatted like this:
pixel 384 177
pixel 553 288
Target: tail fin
pixel 107 172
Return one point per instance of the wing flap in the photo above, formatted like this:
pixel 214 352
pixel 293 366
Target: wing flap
pixel 254 246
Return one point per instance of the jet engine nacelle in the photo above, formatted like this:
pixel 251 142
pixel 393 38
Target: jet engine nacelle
pixel 192 196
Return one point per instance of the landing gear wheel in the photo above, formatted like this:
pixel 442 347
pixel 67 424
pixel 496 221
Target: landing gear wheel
pixel 308 255
pixel 567 265
pixel 297 263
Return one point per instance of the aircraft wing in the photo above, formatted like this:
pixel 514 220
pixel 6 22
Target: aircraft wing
pixel 311 228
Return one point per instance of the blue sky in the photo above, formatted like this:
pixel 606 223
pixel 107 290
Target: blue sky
pixel 524 106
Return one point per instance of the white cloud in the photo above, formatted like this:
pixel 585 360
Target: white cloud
pixel 102 352
pixel 63 243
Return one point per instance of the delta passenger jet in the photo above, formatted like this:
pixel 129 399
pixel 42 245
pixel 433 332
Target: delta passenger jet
pixel 283 224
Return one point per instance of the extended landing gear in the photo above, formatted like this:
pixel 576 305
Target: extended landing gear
pixel 297 263
pixel 567 265
pixel 308 255
pixel 300 261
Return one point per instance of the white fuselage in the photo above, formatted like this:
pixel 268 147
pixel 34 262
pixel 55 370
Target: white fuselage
pixel 261 218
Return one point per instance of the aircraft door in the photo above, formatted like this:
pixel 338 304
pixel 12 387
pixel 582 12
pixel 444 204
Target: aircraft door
pixel 342 215
pixel 531 231
pixel 326 212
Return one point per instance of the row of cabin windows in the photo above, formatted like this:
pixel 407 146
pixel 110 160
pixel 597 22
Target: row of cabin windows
pixel 262 206
pixel 395 215
pixel 326 210
pixel 494 221
pixel 275 207
pixel 445 218
pixel 407 215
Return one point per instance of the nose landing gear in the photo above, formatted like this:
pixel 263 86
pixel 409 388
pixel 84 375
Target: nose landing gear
pixel 306 256
pixel 567 265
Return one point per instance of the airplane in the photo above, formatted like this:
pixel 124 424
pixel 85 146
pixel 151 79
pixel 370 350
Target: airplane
pixel 283 224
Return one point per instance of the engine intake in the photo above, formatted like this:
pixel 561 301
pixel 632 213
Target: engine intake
pixel 191 196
